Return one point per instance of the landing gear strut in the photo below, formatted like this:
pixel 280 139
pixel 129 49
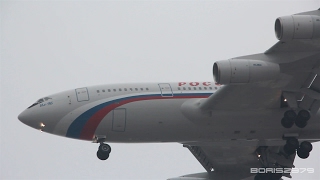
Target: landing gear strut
pixel 291 146
pixel 103 151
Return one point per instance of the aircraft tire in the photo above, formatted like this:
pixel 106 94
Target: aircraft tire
pixel 304 115
pixel 290 114
pixel 303 154
pixel 287 123
pixel 105 148
pixel 306 146
pixel 301 123
pixel 102 155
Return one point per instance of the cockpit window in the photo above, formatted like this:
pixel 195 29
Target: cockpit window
pixel 40 101
pixel 47 98
pixel 32 105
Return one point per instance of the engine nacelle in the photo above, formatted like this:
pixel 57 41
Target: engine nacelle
pixel 297 27
pixel 234 71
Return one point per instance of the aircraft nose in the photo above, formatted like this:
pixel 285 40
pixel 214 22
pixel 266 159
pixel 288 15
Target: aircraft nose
pixel 26 118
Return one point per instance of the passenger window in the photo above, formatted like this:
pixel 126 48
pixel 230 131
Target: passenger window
pixel 215 87
pixel 141 89
pixel 130 89
pixel 184 88
pixel 147 89
pixel 98 91
pixel 114 90
pixel 125 89
pixel 103 90
pixel 136 89
pixel 194 88
pixel 120 89
pixel 189 88
pixel 109 90
pixel 200 88
pixel 179 88
pixel 210 88
pixel 205 88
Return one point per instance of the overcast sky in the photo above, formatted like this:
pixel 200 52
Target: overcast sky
pixel 48 47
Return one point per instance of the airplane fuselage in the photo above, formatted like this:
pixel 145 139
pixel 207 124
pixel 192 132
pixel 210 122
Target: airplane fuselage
pixel 155 112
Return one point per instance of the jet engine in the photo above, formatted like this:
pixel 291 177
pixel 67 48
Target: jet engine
pixel 297 27
pixel 234 71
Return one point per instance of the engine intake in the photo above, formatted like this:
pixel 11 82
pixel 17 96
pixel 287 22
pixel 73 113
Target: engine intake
pixel 297 27
pixel 235 71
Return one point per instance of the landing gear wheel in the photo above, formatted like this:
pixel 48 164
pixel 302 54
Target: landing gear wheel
pixel 102 155
pixel 103 151
pixel 104 148
pixel 287 123
pixel 290 114
pixel 304 115
pixel 288 119
pixel 301 123
pixel 306 146
pixel 303 154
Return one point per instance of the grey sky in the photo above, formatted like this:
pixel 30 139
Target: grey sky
pixel 48 47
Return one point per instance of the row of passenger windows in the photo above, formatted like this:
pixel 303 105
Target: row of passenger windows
pixel 196 88
pixel 147 89
pixel 124 89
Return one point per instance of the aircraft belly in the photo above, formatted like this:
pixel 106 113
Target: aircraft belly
pixel 149 121
pixel 162 121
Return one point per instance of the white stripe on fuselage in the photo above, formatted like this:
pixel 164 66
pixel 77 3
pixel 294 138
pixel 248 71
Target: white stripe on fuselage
pixel 100 94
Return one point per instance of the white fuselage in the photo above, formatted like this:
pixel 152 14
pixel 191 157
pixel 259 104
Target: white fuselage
pixel 153 112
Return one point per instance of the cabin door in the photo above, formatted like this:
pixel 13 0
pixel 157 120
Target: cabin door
pixel 165 90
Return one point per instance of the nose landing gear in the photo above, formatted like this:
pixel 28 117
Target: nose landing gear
pixel 103 151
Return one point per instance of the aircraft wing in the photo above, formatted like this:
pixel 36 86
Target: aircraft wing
pixel 299 63
pixel 297 86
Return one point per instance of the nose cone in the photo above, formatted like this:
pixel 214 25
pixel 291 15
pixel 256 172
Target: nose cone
pixel 27 118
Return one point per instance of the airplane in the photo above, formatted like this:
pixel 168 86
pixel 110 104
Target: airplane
pixel 250 123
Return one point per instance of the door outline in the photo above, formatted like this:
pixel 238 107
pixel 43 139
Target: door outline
pixel 114 119
pixel 81 90
pixel 164 86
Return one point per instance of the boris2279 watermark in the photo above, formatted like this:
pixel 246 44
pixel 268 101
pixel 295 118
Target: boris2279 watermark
pixel 281 170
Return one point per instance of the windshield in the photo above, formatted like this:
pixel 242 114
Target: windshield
pixel 39 101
